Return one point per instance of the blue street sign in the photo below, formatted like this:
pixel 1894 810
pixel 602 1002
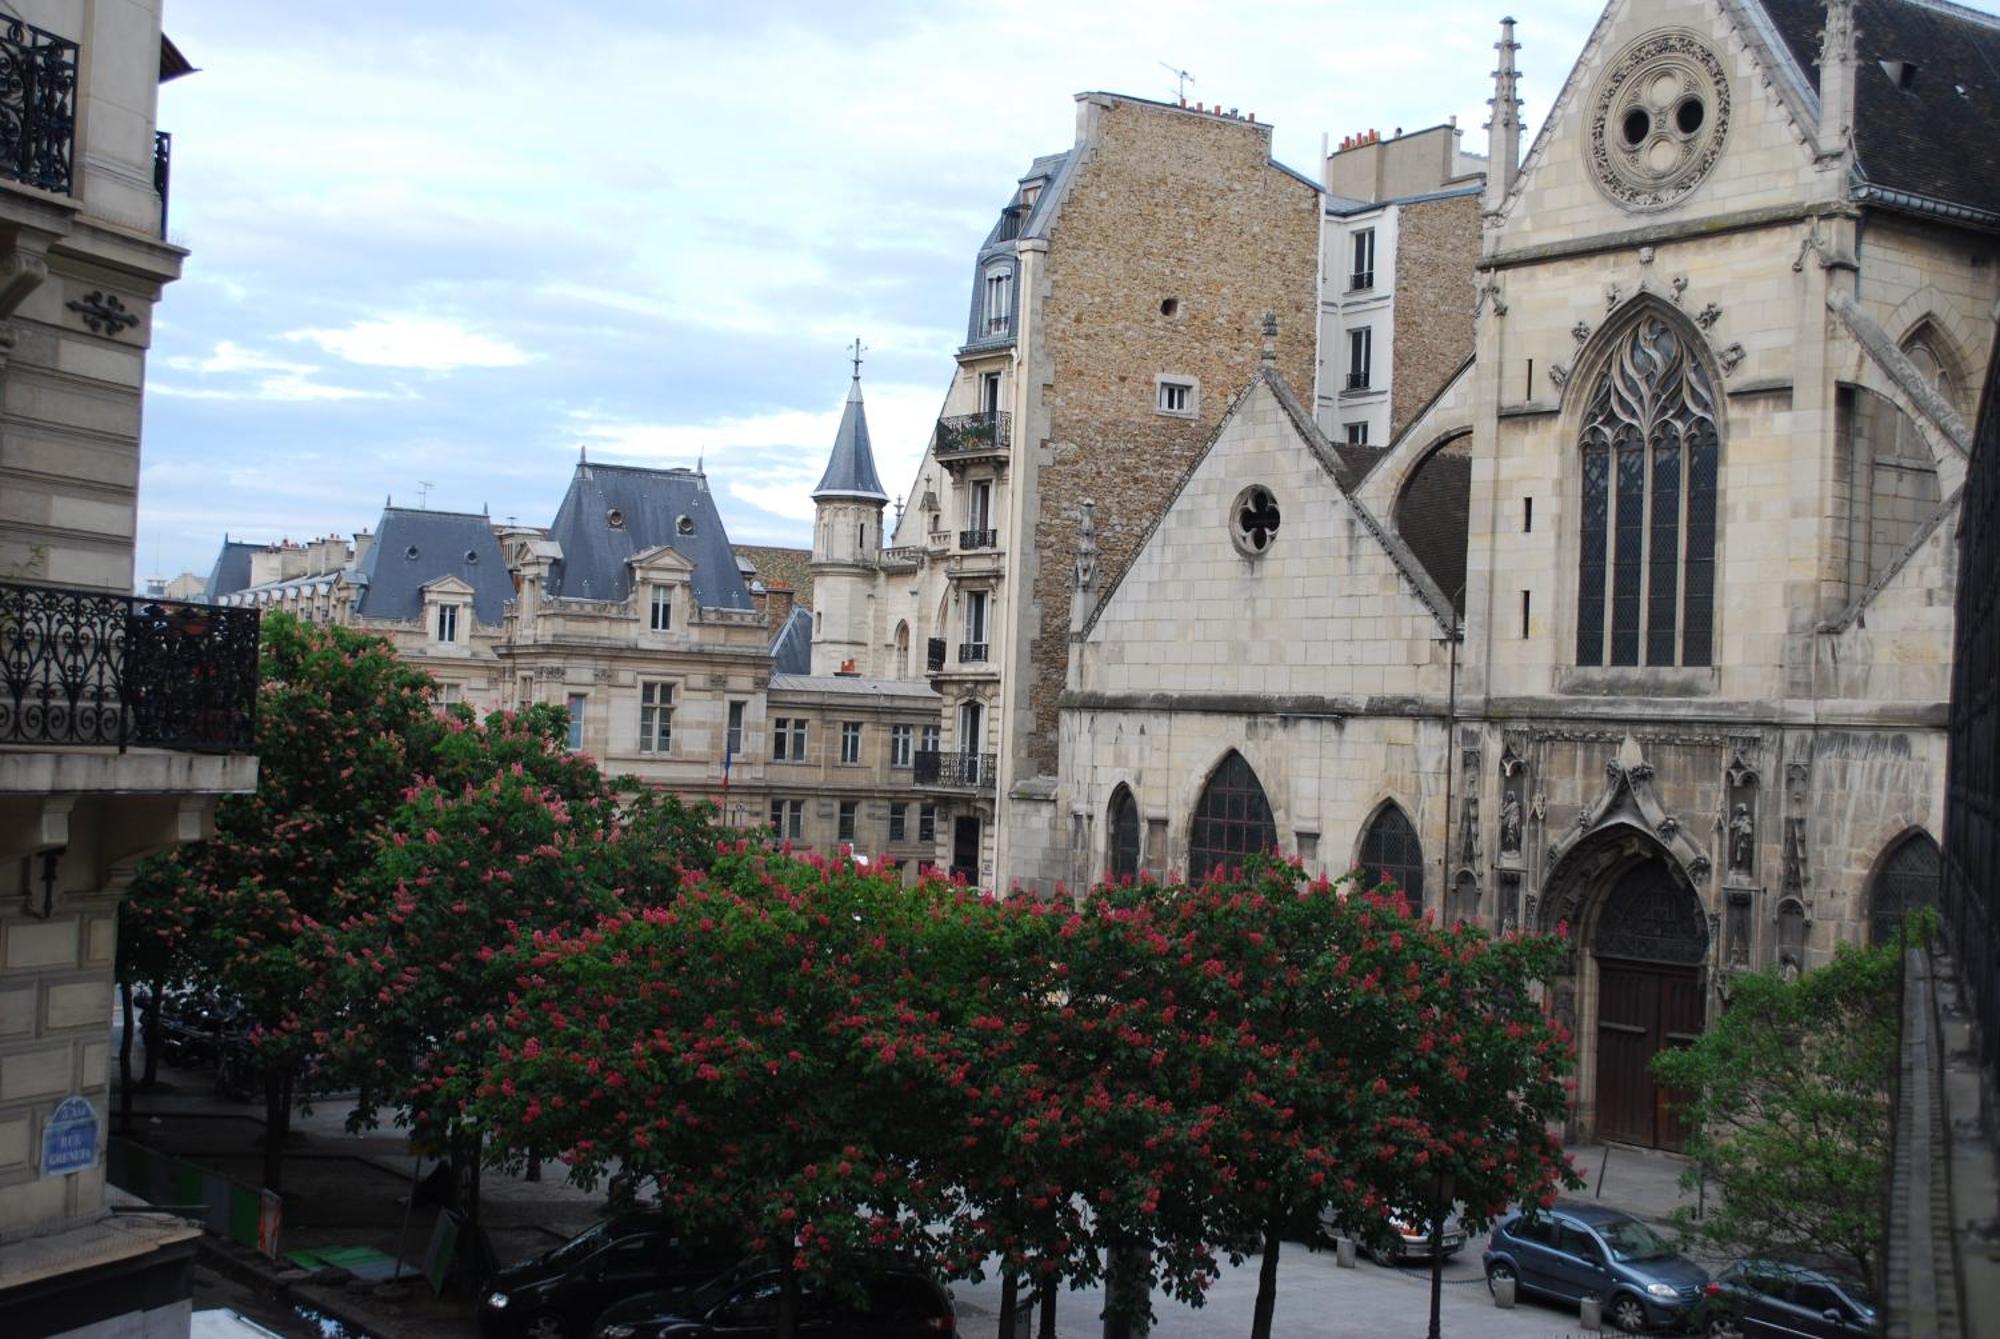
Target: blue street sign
pixel 69 1140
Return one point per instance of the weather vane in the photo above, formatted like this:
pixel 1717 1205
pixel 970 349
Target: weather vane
pixel 858 351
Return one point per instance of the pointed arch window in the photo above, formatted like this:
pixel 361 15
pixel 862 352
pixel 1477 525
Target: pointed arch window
pixel 1908 880
pixel 1231 820
pixel 1122 828
pixel 1651 448
pixel 1390 851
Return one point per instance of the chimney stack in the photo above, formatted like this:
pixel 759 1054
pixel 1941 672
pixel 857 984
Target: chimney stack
pixel 778 599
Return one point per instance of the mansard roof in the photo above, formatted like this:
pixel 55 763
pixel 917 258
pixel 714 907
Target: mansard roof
pixel 612 512
pixel 1926 100
pixel 850 470
pixel 792 648
pixel 231 572
pixel 415 548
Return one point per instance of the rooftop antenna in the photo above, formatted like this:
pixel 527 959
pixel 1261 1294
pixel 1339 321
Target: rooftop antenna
pixel 1181 79
pixel 423 493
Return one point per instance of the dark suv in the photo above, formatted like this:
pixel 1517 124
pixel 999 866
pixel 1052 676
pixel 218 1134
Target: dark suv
pixel 556 1295
pixel 1770 1297
pixel 1574 1251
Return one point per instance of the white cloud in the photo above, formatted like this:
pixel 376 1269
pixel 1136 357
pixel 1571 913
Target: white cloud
pixel 229 356
pixel 284 387
pixel 421 343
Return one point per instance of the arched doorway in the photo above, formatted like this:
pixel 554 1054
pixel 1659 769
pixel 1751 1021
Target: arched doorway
pixel 1648 946
pixel 1907 879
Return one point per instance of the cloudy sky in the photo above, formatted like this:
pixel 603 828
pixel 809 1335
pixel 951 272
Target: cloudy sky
pixel 439 246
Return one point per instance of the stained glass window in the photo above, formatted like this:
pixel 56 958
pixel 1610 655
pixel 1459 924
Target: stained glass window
pixel 1124 831
pixel 1232 820
pixel 1650 451
pixel 1390 851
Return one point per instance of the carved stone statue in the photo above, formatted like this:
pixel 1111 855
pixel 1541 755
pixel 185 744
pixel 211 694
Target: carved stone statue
pixel 1510 823
pixel 1086 548
pixel 1742 839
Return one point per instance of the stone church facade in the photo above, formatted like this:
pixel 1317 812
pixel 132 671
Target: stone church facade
pixel 1728 315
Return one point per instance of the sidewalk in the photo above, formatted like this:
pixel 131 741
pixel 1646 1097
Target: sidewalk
pixel 1644 1182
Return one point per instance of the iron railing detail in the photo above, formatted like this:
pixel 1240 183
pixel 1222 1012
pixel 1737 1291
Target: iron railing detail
pixel 972 653
pixel 954 771
pixel 964 434
pixel 163 162
pixel 978 539
pixel 934 657
pixel 87 669
pixel 1357 381
pixel 37 106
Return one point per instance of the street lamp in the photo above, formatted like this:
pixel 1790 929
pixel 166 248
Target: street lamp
pixel 1441 1198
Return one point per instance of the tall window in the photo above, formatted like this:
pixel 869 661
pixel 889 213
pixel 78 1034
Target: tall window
pixel 662 609
pixel 850 741
pixel 1389 851
pixel 989 392
pixel 656 717
pixel 1123 831
pixel 1363 273
pixel 847 811
pixel 999 300
pixel 576 705
pixel 788 818
pixel 899 745
pixel 788 739
pixel 1908 880
pixel 927 822
pixel 899 822
pixel 447 622
pixel 733 742
pixel 1360 354
pixel 975 627
pixel 1646 560
pixel 979 505
pixel 1231 820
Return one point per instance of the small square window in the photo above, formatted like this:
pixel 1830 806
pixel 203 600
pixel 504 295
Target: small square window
pixel 1176 395
pixel 1357 434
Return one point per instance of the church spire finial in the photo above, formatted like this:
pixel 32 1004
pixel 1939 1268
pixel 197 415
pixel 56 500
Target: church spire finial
pixel 858 351
pixel 1503 140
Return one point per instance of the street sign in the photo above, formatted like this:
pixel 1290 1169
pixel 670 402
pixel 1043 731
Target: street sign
pixel 69 1140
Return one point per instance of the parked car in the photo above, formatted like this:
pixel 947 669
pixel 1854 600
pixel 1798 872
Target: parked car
pixel 557 1294
pixel 1772 1297
pixel 1406 1236
pixel 1575 1250
pixel 892 1303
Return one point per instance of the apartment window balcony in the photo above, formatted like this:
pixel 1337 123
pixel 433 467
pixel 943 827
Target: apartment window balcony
pixel 970 540
pixel 84 669
pixel 1360 279
pixel 974 434
pixel 934 657
pixel 37 106
pixel 1357 381
pixel 972 653
pixel 954 771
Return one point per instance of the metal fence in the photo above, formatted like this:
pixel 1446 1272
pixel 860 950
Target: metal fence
pixel 37 106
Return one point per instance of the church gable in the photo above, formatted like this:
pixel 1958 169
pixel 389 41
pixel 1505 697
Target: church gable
pixel 1677 109
pixel 1262 577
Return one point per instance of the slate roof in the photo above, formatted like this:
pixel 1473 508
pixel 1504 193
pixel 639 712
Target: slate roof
pixel 850 470
pixel 414 547
pixel 1936 140
pixel 231 572
pixel 791 649
pixel 649 505
pixel 847 685
pixel 1433 516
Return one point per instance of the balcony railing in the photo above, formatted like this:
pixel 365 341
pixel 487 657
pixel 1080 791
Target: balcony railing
pixel 163 162
pixel 934 658
pixel 37 106
pixel 86 669
pixel 978 539
pixel 1360 279
pixel 964 434
pixel 954 771
pixel 1357 381
pixel 972 653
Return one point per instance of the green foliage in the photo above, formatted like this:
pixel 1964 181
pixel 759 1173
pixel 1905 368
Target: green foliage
pixel 1787 1098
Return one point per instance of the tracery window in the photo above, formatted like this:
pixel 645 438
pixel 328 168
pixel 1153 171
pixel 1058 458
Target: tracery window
pixel 1651 448
pixel 1908 880
pixel 1231 820
pixel 1123 830
pixel 1390 851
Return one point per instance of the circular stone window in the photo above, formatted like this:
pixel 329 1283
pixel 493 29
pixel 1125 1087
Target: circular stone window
pixel 1658 121
pixel 1253 520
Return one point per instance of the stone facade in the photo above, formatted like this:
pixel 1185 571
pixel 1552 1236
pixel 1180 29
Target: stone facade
pixel 1437 242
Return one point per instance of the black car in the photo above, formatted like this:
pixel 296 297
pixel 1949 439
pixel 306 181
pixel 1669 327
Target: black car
pixel 557 1294
pixel 1574 1251
pixel 884 1304
pixel 1771 1297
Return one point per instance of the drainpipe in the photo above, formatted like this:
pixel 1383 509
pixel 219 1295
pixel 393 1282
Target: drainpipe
pixel 1451 751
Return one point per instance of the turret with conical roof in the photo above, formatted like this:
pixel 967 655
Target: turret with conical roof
pixel 847 540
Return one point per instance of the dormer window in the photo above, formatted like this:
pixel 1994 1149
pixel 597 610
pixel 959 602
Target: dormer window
pixel 999 307
pixel 447 623
pixel 661 617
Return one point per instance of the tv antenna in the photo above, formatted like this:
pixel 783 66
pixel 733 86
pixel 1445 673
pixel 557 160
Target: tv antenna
pixel 423 493
pixel 1181 79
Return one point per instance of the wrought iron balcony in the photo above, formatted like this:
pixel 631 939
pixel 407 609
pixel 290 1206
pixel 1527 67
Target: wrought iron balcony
pixel 967 434
pixel 978 539
pixel 163 162
pixel 954 771
pixel 87 669
pixel 1357 381
pixel 934 657
pixel 1360 279
pixel 37 106
pixel 972 653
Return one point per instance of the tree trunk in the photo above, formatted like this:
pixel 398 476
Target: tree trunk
pixel 534 1172
pixel 1128 1287
pixel 1267 1283
pixel 1010 1303
pixel 275 1120
pixel 1047 1329
pixel 789 1303
pixel 125 1060
pixel 152 1026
